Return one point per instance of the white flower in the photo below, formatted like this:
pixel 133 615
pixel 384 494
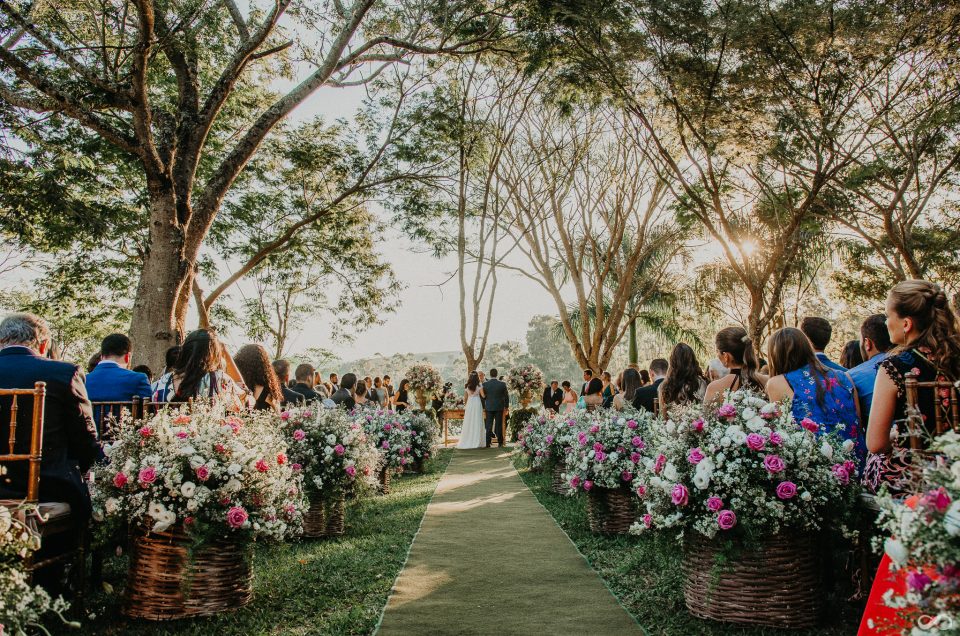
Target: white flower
pixel 826 450
pixel 701 481
pixel 896 550
pixel 748 413
pixel 156 509
pixel 806 496
pixel 670 472
pixel 234 469
pixel 847 445
pixel 110 505
pixel 232 486
pixel 196 462
pixel 756 423
pixel 166 520
pixel 725 441
pixel 188 489
pixel 951 520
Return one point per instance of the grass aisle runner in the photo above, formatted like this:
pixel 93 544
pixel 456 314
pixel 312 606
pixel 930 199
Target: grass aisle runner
pixel 489 559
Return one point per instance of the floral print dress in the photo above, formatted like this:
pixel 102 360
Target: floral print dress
pixel 837 413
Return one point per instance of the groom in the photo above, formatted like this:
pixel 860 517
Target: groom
pixel 496 401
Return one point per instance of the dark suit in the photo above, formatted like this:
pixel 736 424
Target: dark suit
pixel 552 399
pixel 307 392
pixel 344 398
pixel 497 400
pixel 70 444
pixel 291 398
pixel 109 382
pixel 645 395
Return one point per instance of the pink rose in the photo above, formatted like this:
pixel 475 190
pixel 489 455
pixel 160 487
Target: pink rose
pixel 726 519
pixel 714 504
pixel 182 435
pixel 281 459
pixel 595 428
pixel 659 463
pixel 582 438
pixel 637 442
pixel 262 466
pixel 786 490
pixel 187 521
pixel 647 520
pixel 635 458
pixel 339 449
pixel 385 445
pixel 308 413
pixel 775 438
pixel 809 425
pixel 549 439
pixel 203 473
pixel 296 467
pixel 626 475
pixel 773 464
pixel 641 490
pixel 120 480
pixel 697 425
pixel 387 427
pixel 587 485
pixel 679 495
pixel 574 481
pixel 755 441
pixel 841 473
pixel 220 448
pixel 285 415
pixel 147 475
pixel 632 424
pixel 918 580
pixel 145 431
pixel 299 435
pixel 727 411
pixel 600 456
pixel 598 447
pixel 937 499
pixel 695 455
pixel 236 517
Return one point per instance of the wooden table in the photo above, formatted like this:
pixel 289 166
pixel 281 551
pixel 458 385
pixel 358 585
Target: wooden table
pixel 457 414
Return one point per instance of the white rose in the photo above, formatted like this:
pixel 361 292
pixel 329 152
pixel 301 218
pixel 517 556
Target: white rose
pixel 670 472
pixel 192 505
pixel 847 445
pixel 748 413
pixel 756 423
pixel 188 489
pixel 110 505
pixel 806 496
pixel 725 441
pixel 768 408
pixel 896 551
pixel 955 469
pixel 165 521
pixel 233 485
pixel 196 462
pixel 156 509
pixel 701 481
pixel 187 450
pixel 670 427
pixel 827 450
pixel 234 469
pixel 951 520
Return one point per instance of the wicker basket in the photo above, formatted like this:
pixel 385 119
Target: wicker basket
pixel 324 518
pixel 611 511
pixel 774 584
pixel 558 484
pixel 385 480
pixel 165 581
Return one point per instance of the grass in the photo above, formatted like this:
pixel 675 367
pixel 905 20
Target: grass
pixel 311 587
pixel 645 576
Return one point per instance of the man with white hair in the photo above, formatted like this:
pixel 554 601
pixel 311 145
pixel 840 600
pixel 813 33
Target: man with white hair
pixel 70 444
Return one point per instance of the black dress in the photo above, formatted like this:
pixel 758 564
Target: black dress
pixel 261 403
pixel 402 397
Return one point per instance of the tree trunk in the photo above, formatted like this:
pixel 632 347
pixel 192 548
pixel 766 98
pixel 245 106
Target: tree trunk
pixel 158 312
pixel 633 354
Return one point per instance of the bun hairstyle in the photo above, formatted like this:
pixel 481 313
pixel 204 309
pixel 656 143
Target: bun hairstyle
pixel 473 381
pixel 736 342
pixel 926 304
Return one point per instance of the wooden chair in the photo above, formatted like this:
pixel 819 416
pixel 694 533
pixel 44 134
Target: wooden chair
pixel 107 415
pixel 656 407
pixel 946 409
pixel 53 520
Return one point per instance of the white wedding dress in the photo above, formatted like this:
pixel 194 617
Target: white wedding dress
pixel 473 434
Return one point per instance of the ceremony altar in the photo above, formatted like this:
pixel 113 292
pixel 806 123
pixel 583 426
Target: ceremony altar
pixel 448 415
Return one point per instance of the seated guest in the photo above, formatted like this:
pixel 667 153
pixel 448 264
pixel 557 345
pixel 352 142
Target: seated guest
pixel 819 331
pixel 199 374
pixel 145 370
pixel 851 355
pixel 629 384
pixel 823 395
pixel 111 380
pixel 644 396
pixel 736 353
pixel 401 399
pixel 253 361
pixel 69 437
pixel 715 370
pixel 593 393
pixel 290 397
pixel 875 343
pixel 552 397
pixel 170 361
pixel 927 337
pixel 644 377
pixel 685 383
pixel 609 389
pixel 304 385
pixel 345 396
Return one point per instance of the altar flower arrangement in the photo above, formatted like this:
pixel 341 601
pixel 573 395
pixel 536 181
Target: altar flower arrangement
pixel 22 606
pixel 924 539
pixel 525 380
pixel 212 473
pixel 424 436
pixel 452 401
pixel 424 378
pixel 743 468
pixel 606 449
pixel 331 450
pixel 389 432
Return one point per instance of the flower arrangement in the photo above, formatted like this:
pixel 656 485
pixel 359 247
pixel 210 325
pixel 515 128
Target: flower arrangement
pixel 547 437
pixel 216 474
pixel 526 379
pixel 453 402
pixel 745 468
pixel 424 378
pixel 606 451
pixel 390 434
pixel 925 539
pixel 424 436
pixel 22 606
pixel 331 451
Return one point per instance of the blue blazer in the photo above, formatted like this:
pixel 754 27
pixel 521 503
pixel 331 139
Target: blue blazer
pixel 109 382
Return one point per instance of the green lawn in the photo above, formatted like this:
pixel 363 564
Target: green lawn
pixel 644 574
pixel 311 587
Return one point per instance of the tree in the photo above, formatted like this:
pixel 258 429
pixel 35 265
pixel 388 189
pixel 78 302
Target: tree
pixel 548 352
pixel 156 80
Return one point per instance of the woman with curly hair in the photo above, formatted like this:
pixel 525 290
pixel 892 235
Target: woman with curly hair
pixel 685 382
pixel 198 373
pixel 259 375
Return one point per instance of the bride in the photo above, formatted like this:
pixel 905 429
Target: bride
pixel 473 434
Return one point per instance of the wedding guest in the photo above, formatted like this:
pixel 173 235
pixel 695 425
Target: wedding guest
pixel 819 331
pixel 851 355
pixel 552 397
pixel 145 370
pixel 401 400
pixel 334 383
pixel 587 376
pixel 253 361
pixel 304 386
pixel 368 383
pixel 925 331
pixel 628 388
pixel 290 397
pixel 609 389
pixel 569 401
pixel 715 370
pixel 644 377
pixel 360 393
pixel 325 390
pixel 93 362
pixel 593 394
pixel 170 360
pixel 818 393
pixel 388 385
pixel 685 382
pixel 69 436
pixel 875 343
pixel 112 381
pixel 380 391
pixel 735 352
pixel 644 396
pixel 198 373
pixel 345 395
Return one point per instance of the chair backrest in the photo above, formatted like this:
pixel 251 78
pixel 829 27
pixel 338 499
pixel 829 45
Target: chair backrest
pixel 656 407
pixel 946 409
pixel 35 454
pixel 108 414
